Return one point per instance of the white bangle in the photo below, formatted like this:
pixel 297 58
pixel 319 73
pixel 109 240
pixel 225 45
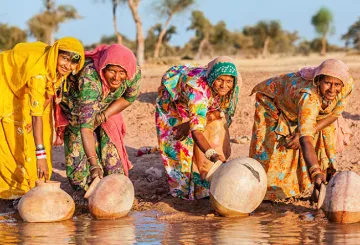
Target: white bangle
pixel 209 153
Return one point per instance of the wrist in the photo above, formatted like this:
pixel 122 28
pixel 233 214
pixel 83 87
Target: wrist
pixel 210 153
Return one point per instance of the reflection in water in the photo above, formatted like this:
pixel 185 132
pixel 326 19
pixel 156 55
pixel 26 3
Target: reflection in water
pixel 47 233
pixel 145 228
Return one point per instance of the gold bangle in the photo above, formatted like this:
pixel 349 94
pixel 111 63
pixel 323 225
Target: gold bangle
pixel 91 157
pixel 316 173
pixel 95 167
pixel 313 167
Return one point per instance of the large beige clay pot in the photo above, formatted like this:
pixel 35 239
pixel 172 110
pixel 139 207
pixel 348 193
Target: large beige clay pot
pixel 342 199
pixel 238 187
pixel 46 203
pixel 111 197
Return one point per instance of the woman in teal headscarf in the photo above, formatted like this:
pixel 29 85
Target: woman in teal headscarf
pixel 188 99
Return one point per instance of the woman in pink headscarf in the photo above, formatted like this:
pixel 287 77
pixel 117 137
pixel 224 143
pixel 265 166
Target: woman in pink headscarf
pixel 94 137
pixel 294 137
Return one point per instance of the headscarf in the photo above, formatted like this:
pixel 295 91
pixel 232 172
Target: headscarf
pixel 224 65
pixel 27 60
pixel 115 54
pixel 330 67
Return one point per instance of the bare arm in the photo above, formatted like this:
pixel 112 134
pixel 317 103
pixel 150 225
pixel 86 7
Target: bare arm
pixel 310 157
pixel 323 123
pixel 87 136
pixel 203 144
pixel 42 167
pixel 116 107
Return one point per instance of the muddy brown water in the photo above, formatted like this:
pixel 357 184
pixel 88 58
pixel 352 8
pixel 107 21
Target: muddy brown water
pixel 146 228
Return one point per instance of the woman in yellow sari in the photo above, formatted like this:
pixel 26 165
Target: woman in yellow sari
pixel 30 75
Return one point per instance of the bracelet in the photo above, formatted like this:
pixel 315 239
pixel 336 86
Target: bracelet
pixel 313 167
pixel 209 153
pixel 40 154
pixel 94 156
pixel 316 172
pixel 40 147
pixel 95 167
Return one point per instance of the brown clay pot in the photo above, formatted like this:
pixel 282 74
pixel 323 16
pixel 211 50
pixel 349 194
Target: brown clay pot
pixel 341 204
pixel 238 187
pixel 111 197
pixel 46 203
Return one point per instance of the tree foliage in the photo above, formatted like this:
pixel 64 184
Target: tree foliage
pixel 152 37
pixel 10 36
pixel 322 22
pixel 352 37
pixel 43 25
pixel 169 8
pixel 263 33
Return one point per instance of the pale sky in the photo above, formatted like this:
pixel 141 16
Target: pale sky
pixel 97 16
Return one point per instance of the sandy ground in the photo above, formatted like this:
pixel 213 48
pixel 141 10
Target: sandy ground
pixel 148 174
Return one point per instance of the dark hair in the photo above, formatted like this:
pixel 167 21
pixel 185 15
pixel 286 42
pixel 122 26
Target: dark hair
pixel 75 58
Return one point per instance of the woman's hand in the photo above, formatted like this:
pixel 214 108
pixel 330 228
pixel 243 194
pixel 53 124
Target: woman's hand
pixel 99 119
pixel 96 172
pixel 319 178
pixel 293 141
pixel 216 157
pixel 182 131
pixel 42 169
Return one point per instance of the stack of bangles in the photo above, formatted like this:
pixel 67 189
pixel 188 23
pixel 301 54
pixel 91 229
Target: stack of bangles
pixel 101 118
pixel 92 167
pixel 315 170
pixel 40 152
pixel 210 153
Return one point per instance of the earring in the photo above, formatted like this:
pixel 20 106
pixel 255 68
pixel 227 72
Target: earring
pixel 73 72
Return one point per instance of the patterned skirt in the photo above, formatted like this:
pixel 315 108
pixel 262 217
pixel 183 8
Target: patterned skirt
pixel 183 176
pixel 77 166
pixel 287 174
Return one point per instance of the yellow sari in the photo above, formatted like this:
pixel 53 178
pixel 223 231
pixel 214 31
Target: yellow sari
pixel 27 79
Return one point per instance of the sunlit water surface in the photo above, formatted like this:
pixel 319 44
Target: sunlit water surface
pixel 145 228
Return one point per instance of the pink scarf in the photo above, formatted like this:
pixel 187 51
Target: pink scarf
pixel 338 69
pixel 115 54
pixel 115 129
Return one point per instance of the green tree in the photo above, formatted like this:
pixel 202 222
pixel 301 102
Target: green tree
pixel 42 26
pixel 262 33
pixel 169 8
pixel 10 36
pixel 203 29
pixel 322 21
pixel 153 36
pixel 353 35
pixel 284 42
pixel 221 37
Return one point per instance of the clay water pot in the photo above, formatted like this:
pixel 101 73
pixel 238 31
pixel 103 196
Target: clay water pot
pixel 216 133
pixel 46 203
pixel 238 187
pixel 341 204
pixel 111 197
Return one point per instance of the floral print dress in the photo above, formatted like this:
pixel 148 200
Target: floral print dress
pixel 184 96
pixel 80 104
pixel 284 105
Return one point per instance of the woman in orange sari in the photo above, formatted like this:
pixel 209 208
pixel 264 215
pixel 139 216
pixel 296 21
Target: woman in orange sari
pixel 30 75
pixel 294 136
